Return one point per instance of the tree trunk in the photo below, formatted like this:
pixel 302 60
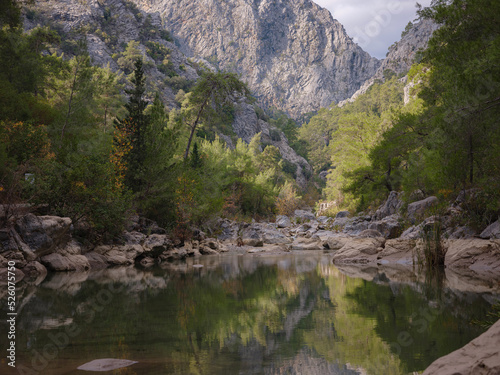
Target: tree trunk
pixel 193 128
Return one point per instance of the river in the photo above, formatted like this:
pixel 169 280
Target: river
pixel 293 313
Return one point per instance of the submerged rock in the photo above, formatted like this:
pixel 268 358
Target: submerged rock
pixel 106 364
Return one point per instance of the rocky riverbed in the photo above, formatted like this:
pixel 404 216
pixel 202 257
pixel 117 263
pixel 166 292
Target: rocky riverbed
pixel 388 240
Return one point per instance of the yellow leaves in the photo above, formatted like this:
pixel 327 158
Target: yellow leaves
pixel 445 192
pixel 79 184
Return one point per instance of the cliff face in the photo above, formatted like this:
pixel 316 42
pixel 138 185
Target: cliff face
pixel 292 53
pixel 401 55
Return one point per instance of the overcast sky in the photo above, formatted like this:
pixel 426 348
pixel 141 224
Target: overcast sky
pixel 373 24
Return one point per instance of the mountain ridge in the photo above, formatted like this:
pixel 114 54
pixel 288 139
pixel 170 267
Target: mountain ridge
pixel 293 54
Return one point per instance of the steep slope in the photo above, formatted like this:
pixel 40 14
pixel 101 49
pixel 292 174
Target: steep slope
pixel 292 53
pixel 401 55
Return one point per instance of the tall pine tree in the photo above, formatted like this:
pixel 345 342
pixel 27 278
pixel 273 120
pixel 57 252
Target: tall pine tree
pixel 135 124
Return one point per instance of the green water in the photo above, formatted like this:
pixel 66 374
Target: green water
pixel 240 314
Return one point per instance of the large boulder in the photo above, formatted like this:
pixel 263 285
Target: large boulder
pixel 96 261
pixel 479 357
pixel 302 243
pixel 335 242
pixel 156 244
pixel 355 225
pixel 390 207
pixel 303 215
pixel 479 256
pixel 59 263
pixel 389 226
pixel 359 250
pixel 43 233
pixel 342 214
pixel 416 210
pixel 283 221
pixel 398 251
pixel 492 231
pixel 119 254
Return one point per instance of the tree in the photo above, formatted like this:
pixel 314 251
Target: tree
pixel 463 95
pixel 137 121
pixel 211 93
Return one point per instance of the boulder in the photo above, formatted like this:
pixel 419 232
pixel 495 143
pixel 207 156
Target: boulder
pixel 15 256
pixel 302 243
pixel 96 261
pixel 324 220
pixel 59 263
pixel 156 244
pixel 342 214
pixel 335 242
pixel 229 230
pixel 271 235
pixel 390 207
pixel 389 226
pixel 303 215
pixel 416 210
pixel 42 233
pixel 398 251
pixel 479 357
pixel 359 250
pixel 283 221
pixel 251 236
pixel 119 254
pixel 133 237
pixel 480 256
pixel 370 233
pixel 492 231
pixel 355 225
pixel 209 246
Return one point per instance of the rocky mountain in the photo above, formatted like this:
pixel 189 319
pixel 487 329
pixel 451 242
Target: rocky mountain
pixel 292 53
pixel 116 29
pixel 401 55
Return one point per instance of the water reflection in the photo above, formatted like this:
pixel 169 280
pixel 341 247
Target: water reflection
pixel 287 314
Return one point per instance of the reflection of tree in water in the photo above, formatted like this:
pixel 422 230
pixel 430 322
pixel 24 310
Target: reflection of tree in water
pixel 423 321
pixel 243 315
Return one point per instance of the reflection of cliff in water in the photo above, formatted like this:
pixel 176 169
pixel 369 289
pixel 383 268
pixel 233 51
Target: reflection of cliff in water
pixel 287 314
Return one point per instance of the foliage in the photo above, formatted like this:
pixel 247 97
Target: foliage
pixel 341 138
pixel 288 200
pixel 210 97
pixel 135 125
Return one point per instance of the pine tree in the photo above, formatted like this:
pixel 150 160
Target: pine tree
pixel 135 123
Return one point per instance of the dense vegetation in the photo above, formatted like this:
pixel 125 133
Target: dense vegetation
pixel 446 141
pixel 89 143
pixel 86 142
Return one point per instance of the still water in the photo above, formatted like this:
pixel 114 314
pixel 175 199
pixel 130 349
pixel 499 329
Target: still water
pixel 240 314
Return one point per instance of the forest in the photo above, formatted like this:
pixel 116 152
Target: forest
pixel 443 141
pixel 99 146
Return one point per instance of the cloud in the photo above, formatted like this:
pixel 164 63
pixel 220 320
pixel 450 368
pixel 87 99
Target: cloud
pixel 373 24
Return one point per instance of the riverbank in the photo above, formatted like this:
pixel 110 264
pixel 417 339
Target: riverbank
pixel 372 247
pixel 41 244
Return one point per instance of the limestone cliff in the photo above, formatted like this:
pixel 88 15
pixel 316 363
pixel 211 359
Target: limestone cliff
pixel 292 53
pixel 401 55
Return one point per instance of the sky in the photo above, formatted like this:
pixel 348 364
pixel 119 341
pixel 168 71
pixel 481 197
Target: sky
pixel 373 24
